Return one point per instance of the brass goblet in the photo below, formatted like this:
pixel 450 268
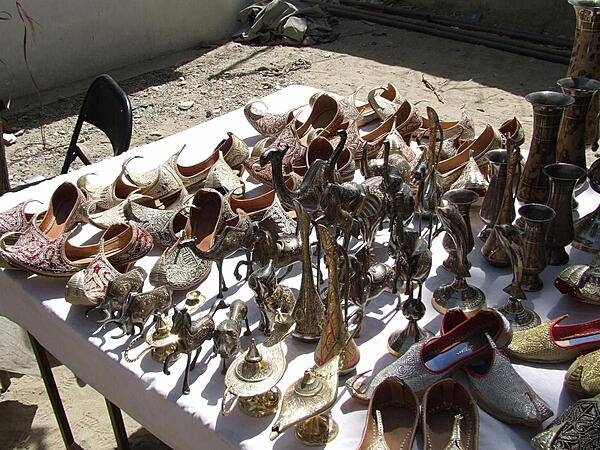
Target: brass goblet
pixel 414 310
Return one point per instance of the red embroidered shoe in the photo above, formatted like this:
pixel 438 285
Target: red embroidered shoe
pixel 15 219
pixel 54 256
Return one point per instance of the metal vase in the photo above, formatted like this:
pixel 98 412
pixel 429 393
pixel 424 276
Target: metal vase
pixel 563 178
pixel 585 57
pixel 570 145
pixel 493 197
pixel 548 109
pixel 309 311
pixel 537 219
pixel 335 339
pixel 587 229
pixel 492 250
pixel 462 199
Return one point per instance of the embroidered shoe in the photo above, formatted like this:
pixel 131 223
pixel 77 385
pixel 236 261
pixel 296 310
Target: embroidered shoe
pixel 46 255
pixel 429 361
pixel 16 219
pixel 392 417
pixel 551 342
pixel 212 232
pixel 166 191
pixel 495 384
pixel 450 417
pixel 234 152
pixel 583 375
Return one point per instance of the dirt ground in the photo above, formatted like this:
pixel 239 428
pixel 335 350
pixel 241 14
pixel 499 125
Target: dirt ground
pixel 489 84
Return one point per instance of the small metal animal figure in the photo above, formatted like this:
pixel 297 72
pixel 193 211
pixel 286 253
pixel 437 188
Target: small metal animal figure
pixel 226 338
pixel 270 297
pixel 191 337
pixel 269 244
pixel 354 208
pixel 139 307
pixel 117 292
pixel 366 279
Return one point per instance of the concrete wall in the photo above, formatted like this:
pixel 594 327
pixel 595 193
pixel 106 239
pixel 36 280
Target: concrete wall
pixel 77 39
pixel 540 16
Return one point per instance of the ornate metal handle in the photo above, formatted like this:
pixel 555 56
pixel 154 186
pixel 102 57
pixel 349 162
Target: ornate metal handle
pixel 229 401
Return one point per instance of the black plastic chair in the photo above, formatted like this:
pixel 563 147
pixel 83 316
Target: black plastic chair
pixel 107 107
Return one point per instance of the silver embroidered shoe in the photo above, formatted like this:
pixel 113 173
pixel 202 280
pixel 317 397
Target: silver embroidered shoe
pixel 497 387
pixel 107 196
pixel 234 152
pixel 166 191
pixel 88 286
pixel 428 361
pixel 211 233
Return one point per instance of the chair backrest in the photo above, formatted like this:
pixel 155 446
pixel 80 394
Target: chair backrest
pixel 107 107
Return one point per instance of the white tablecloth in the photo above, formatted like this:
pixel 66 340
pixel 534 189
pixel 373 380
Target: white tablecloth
pixel 194 421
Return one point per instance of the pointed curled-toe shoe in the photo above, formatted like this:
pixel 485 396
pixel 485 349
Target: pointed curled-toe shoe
pixel 583 376
pixel 429 361
pixel 581 282
pixel 512 128
pixel 325 118
pixel 266 123
pixel 212 232
pixel 43 254
pixel 497 387
pixel 577 428
pixel 461 130
pixel 450 417
pixel 166 191
pixel 321 148
pixel 551 342
pixel 450 169
pixel 107 196
pixel 88 286
pixel 234 152
pixel 63 214
pixel 405 121
pixel 392 417
pixel 16 219
pixel 162 224
pixel 384 101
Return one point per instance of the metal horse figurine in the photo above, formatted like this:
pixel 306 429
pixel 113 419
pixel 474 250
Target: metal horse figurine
pixel 226 338
pixel 117 292
pixel 191 337
pixel 140 306
pixel 271 297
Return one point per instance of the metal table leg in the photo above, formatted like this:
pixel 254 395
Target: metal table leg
pixel 4 381
pixel 116 420
pixel 59 411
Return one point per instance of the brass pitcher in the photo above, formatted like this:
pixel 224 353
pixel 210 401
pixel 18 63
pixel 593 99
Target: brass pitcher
pixel 537 221
pixel 335 338
pixel 570 145
pixel 548 109
pixel 585 57
pixel 563 178
pixel 492 250
pixel 490 207
pixel 309 312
